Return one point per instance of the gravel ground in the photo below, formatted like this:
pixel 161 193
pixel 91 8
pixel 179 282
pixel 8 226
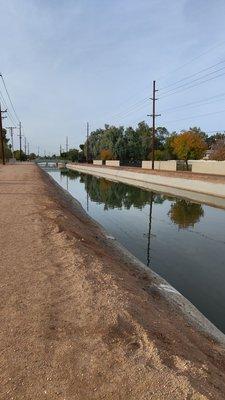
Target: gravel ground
pixel 77 320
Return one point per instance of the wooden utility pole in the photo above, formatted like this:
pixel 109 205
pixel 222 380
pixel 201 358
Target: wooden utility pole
pixel 25 146
pixel 67 144
pixel 2 137
pixel 87 157
pixel 20 137
pixel 153 115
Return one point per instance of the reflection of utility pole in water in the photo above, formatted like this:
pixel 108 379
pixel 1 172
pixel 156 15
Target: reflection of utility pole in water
pixel 67 183
pixel 149 231
pixel 87 189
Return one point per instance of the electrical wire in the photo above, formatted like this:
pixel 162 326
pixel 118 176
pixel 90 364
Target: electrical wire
pixel 195 103
pixel 193 59
pixel 8 112
pixel 194 80
pixel 8 95
pixel 196 116
pixel 190 76
pixel 189 87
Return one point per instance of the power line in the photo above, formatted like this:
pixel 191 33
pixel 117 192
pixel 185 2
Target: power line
pixel 194 80
pixel 130 108
pixel 8 112
pixel 196 116
pixel 10 100
pixel 194 74
pixel 193 59
pixel 133 111
pixel 195 103
pixel 189 87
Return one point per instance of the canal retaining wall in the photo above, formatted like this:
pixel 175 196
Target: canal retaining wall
pixel 193 189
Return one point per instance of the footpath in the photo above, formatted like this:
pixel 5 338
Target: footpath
pixel 78 320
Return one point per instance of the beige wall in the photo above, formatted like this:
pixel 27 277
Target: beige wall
pixel 208 167
pixel 61 165
pixel 170 165
pixel 112 163
pixel 97 162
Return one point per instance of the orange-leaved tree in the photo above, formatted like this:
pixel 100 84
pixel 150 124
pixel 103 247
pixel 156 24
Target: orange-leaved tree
pixel 106 154
pixel 189 145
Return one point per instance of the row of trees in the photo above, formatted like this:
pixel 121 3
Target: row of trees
pixel 132 145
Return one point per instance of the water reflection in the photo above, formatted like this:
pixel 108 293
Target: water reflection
pixel 182 213
pixel 185 214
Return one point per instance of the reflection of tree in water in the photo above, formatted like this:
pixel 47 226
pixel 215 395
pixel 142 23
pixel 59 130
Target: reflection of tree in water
pixel 113 194
pixel 185 214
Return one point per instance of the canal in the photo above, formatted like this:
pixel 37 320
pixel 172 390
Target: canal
pixel 182 241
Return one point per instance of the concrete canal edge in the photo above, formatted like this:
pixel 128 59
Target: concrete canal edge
pixel 192 189
pixel 174 298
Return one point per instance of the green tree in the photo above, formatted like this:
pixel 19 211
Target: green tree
pixel 17 155
pixel 7 146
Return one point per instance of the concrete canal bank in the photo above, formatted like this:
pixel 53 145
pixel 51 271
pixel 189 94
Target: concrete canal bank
pixel 80 319
pixel 198 187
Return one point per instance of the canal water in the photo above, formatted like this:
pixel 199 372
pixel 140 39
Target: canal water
pixel 184 242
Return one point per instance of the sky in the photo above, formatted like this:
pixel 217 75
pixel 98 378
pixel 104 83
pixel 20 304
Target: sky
pixel 69 62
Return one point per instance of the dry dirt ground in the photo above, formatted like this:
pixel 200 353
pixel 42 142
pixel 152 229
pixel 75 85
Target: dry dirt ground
pixel 79 322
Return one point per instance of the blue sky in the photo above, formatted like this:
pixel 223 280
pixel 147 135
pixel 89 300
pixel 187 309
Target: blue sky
pixel 68 62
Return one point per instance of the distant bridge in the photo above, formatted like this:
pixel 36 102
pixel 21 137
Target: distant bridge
pixel 50 162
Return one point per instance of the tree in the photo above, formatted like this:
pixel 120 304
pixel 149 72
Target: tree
pixel 106 155
pixel 17 155
pixel 211 140
pixel 218 150
pixel 32 156
pixel 73 155
pixel 185 214
pixel 189 145
pixel 7 146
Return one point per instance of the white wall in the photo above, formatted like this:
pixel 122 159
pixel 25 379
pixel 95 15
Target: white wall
pixel 97 162
pixel 112 163
pixel 208 167
pixel 170 165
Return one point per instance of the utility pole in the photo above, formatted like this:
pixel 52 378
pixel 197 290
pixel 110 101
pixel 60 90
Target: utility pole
pixel 11 134
pixel 87 156
pixel 20 137
pixel 67 145
pixel 2 137
pixel 153 115
pixel 25 145
pixel 38 151
pixel 28 149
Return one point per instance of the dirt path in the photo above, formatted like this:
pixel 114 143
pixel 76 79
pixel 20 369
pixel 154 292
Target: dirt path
pixel 79 323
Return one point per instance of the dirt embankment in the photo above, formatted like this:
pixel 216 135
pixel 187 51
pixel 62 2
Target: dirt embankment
pixel 77 321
